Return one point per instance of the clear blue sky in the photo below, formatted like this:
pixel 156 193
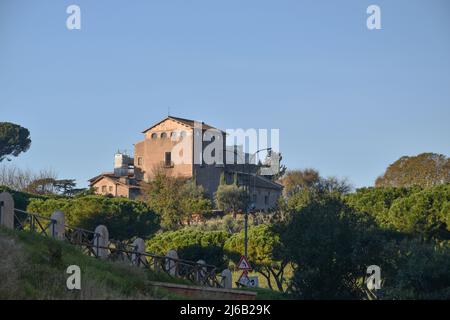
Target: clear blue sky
pixel 348 101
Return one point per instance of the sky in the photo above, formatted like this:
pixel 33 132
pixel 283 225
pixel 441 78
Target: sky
pixel 347 100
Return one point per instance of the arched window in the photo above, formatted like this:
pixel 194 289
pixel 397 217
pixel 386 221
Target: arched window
pixel 163 135
pixel 154 136
pixel 183 134
pixel 173 135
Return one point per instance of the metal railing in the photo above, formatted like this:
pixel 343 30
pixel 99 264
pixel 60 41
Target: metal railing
pixel 33 222
pixel 123 251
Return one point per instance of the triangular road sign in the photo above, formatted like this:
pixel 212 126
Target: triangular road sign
pixel 243 264
pixel 244 279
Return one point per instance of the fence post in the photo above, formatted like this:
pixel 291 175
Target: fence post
pixel 101 241
pixel 58 224
pixel 32 223
pixel 201 272
pixel 171 265
pixel 52 222
pixel 227 280
pixel 97 240
pixel 6 210
pixel 139 248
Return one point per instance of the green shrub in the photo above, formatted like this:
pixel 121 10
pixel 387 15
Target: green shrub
pixel 416 211
pixel 124 218
pixel 21 199
pixel 266 253
pixel 192 245
pixel 417 270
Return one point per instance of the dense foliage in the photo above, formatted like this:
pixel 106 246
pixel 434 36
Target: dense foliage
pixel 414 269
pixel 416 211
pixel 331 246
pixel 175 200
pixel 320 231
pixel 425 170
pixel 295 181
pixel 231 198
pixel 192 245
pixel 265 251
pixel 124 218
pixel 331 237
pixel 14 140
pixel 21 199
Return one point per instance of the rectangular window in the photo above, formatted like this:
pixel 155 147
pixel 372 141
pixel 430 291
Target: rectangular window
pixel 103 189
pixel 139 161
pixel 168 159
pixel 266 200
pixel 110 188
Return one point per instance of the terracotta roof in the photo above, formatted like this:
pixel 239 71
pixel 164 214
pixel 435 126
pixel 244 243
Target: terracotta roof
pixel 101 175
pixel 112 177
pixel 261 181
pixel 187 122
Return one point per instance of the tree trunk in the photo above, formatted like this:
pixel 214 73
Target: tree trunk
pixel 268 278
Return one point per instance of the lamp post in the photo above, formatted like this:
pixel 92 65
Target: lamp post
pixel 252 205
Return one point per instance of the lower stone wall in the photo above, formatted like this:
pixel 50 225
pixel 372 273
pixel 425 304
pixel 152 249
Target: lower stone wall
pixel 203 293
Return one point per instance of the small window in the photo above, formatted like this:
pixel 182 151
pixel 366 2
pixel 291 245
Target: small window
pixel 168 159
pixel 154 136
pixel 183 134
pixel 173 135
pixel 140 161
pixel 110 188
pixel 163 135
pixel 266 200
pixel 103 189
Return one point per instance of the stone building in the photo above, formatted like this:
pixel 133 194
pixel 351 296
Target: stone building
pixel 172 145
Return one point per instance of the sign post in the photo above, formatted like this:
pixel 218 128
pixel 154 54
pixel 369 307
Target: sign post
pixel 244 279
pixel 244 265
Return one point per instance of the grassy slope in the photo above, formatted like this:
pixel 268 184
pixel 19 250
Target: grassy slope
pixel 264 293
pixel 263 281
pixel 29 270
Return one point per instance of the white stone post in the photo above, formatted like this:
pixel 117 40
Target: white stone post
pixel 101 241
pixel 171 266
pixel 139 248
pixel 227 279
pixel 57 227
pixel 201 272
pixel 6 210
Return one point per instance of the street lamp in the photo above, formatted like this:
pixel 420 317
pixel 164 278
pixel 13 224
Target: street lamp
pixel 252 205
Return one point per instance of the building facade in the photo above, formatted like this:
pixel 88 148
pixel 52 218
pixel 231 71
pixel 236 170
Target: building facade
pixel 172 145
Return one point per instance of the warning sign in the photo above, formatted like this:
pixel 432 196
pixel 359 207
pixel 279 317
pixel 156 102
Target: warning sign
pixel 243 264
pixel 244 279
pixel 253 282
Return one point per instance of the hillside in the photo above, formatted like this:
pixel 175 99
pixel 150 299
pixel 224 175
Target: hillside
pixel 34 267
